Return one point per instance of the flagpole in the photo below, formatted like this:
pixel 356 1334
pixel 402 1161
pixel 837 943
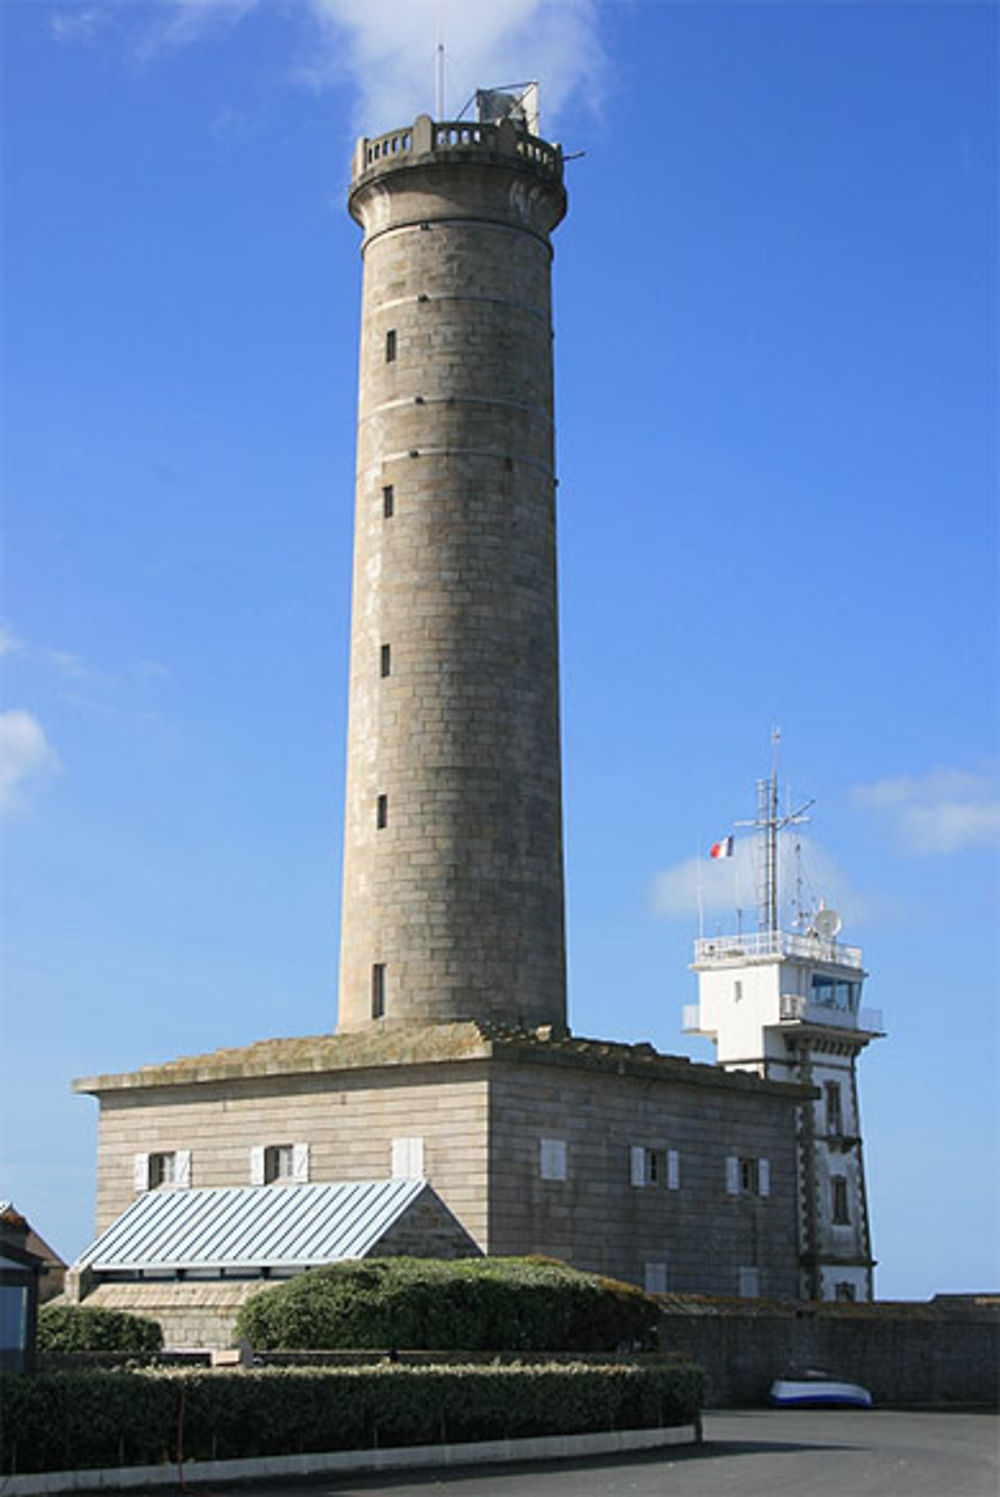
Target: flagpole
pixel 701 901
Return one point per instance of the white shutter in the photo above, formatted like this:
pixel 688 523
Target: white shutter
pixel 637 1157
pixel 655 1278
pixel 552 1158
pixel 182 1168
pixel 257 1165
pixel 300 1163
pixel 673 1170
pixel 407 1158
pixel 733 1175
pixel 141 1172
pixel 764 1176
pixel 749 1283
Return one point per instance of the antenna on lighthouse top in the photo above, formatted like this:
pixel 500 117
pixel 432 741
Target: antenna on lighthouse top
pixel 439 64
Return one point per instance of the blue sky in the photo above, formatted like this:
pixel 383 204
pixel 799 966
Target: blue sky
pixel 776 313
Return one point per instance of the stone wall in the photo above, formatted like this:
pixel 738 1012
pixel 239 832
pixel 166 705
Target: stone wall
pixel 453 877
pixel 531 1143
pixel 348 1119
pixel 192 1315
pixel 700 1234
pixel 936 1353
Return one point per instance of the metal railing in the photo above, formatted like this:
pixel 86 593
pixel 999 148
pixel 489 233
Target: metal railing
pixel 776 943
pixel 463 135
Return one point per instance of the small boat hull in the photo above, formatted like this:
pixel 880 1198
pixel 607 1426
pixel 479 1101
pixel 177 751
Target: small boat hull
pixel 827 1392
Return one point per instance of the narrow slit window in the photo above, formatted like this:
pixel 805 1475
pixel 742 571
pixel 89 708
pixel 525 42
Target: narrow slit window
pixel 378 990
pixel 385 660
pixel 390 346
pixel 388 501
pixel 382 812
pixel 841 1215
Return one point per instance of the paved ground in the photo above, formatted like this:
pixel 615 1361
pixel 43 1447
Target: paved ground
pixel 747 1453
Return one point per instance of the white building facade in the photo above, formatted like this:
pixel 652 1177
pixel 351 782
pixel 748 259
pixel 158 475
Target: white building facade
pixel 787 1006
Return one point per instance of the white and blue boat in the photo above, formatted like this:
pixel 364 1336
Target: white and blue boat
pixel 814 1389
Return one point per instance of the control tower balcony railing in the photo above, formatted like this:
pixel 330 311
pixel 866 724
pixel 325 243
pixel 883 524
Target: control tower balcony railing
pixel 720 951
pixel 504 139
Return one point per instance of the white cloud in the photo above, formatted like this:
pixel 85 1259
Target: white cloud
pixel 178 23
pixel 386 49
pixel 943 811
pixel 806 874
pixel 9 642
pixel 80 24
pixel 24 752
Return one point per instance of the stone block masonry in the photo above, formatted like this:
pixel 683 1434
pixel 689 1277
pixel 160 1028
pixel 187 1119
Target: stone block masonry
pixel 611 1157
pixel 453 877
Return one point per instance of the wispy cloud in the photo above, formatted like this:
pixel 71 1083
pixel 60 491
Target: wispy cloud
pixel 25 753
pixel 386 49
pixel 78 24
pixel 9 642
pixel 943 811
pixel 807 873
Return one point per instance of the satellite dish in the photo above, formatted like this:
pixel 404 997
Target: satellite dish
pixel 827 923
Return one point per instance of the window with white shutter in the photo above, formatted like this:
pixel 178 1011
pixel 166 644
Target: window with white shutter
pixel 749 1283
pixel 552 1158
pixel 764 1176
pixel 182 1168
pixel 637 1164
pixel 733 1175
pixel 654 1279
pixel 300 1163
pixel 407 1158
pixel 141 1172
pixel 673 1170
pixel 257 1164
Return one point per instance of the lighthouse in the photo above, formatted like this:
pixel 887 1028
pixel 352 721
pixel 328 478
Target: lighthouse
pixel 786 1005
pixel 453 864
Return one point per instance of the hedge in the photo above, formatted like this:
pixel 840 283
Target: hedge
pixel 63 1328
pixel 472 1304
pixel 74 1420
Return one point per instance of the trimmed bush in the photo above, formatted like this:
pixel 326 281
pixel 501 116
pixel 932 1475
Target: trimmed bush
pixel 63 1328
pixel 472 1304
pixel 75 1420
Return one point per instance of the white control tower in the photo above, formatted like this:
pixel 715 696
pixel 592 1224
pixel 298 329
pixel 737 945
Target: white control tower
pixel 787 1005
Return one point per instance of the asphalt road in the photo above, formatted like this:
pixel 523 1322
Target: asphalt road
pixel 752 1453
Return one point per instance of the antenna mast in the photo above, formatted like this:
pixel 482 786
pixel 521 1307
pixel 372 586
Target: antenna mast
pixel 439 65
pixel 770 823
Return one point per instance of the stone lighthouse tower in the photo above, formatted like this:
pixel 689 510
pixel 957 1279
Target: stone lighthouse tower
pixel 453 873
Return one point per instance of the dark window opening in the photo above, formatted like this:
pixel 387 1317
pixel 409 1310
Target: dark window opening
pixel 386 660
pixel 390 346
pixel 382 812
pixel 834 1107
pixel 388 500
pixel 750 1176
pixel 840 1215
pixel 378 990
pixel 278 1163
pixel 162 1170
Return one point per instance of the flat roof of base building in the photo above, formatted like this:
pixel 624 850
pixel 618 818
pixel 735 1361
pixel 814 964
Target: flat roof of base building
pixel 436 1044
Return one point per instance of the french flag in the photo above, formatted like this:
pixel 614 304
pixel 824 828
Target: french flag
pixel 723 849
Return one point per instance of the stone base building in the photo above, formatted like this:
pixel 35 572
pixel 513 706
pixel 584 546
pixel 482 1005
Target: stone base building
pixel 612 1157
